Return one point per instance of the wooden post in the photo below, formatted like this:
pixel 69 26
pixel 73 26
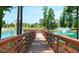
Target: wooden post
pixel 18 19
pixel 1 22
pixel 77 21
pixel 21 18
pixel 57 45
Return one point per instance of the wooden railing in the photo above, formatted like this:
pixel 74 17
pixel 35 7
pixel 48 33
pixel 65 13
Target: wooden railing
pixel 17 44
pixel 62 44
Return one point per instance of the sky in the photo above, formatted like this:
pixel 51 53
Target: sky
pixel 31 14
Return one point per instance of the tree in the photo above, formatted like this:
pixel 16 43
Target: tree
pixel 48 20
pixel 4 23
pixel 11 25
pixel 71 9
pixel 63 19
pixel 2 9
pixel 66 19
pixel 45 9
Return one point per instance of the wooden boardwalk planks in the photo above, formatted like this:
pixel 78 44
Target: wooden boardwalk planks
pixel 40 45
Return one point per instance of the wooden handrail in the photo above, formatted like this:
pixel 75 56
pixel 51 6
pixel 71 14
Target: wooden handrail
pixel 56 41
pixel 67 39
pixel 18 43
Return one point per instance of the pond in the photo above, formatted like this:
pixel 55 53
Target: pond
pixel 69 34
pixel 65 32
pixel 8 33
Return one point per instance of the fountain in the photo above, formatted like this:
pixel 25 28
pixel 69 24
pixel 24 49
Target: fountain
pixel 65 32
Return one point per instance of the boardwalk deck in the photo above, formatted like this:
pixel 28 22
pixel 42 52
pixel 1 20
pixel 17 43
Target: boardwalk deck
pixel 40 45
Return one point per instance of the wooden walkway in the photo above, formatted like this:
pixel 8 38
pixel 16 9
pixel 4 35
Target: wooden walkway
pixel 40 45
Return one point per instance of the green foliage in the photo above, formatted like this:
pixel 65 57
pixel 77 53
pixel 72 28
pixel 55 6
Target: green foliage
pixel 10 45
pixel 11 25
pixel 2 9
pixel 67 19
pixel 34 25
pixel 44 20
pixel 4 23
pixel 62 20
pixel 48 20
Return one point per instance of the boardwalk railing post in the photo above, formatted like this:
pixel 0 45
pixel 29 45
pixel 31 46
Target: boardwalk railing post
pixel 57 45
pixel 50 40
